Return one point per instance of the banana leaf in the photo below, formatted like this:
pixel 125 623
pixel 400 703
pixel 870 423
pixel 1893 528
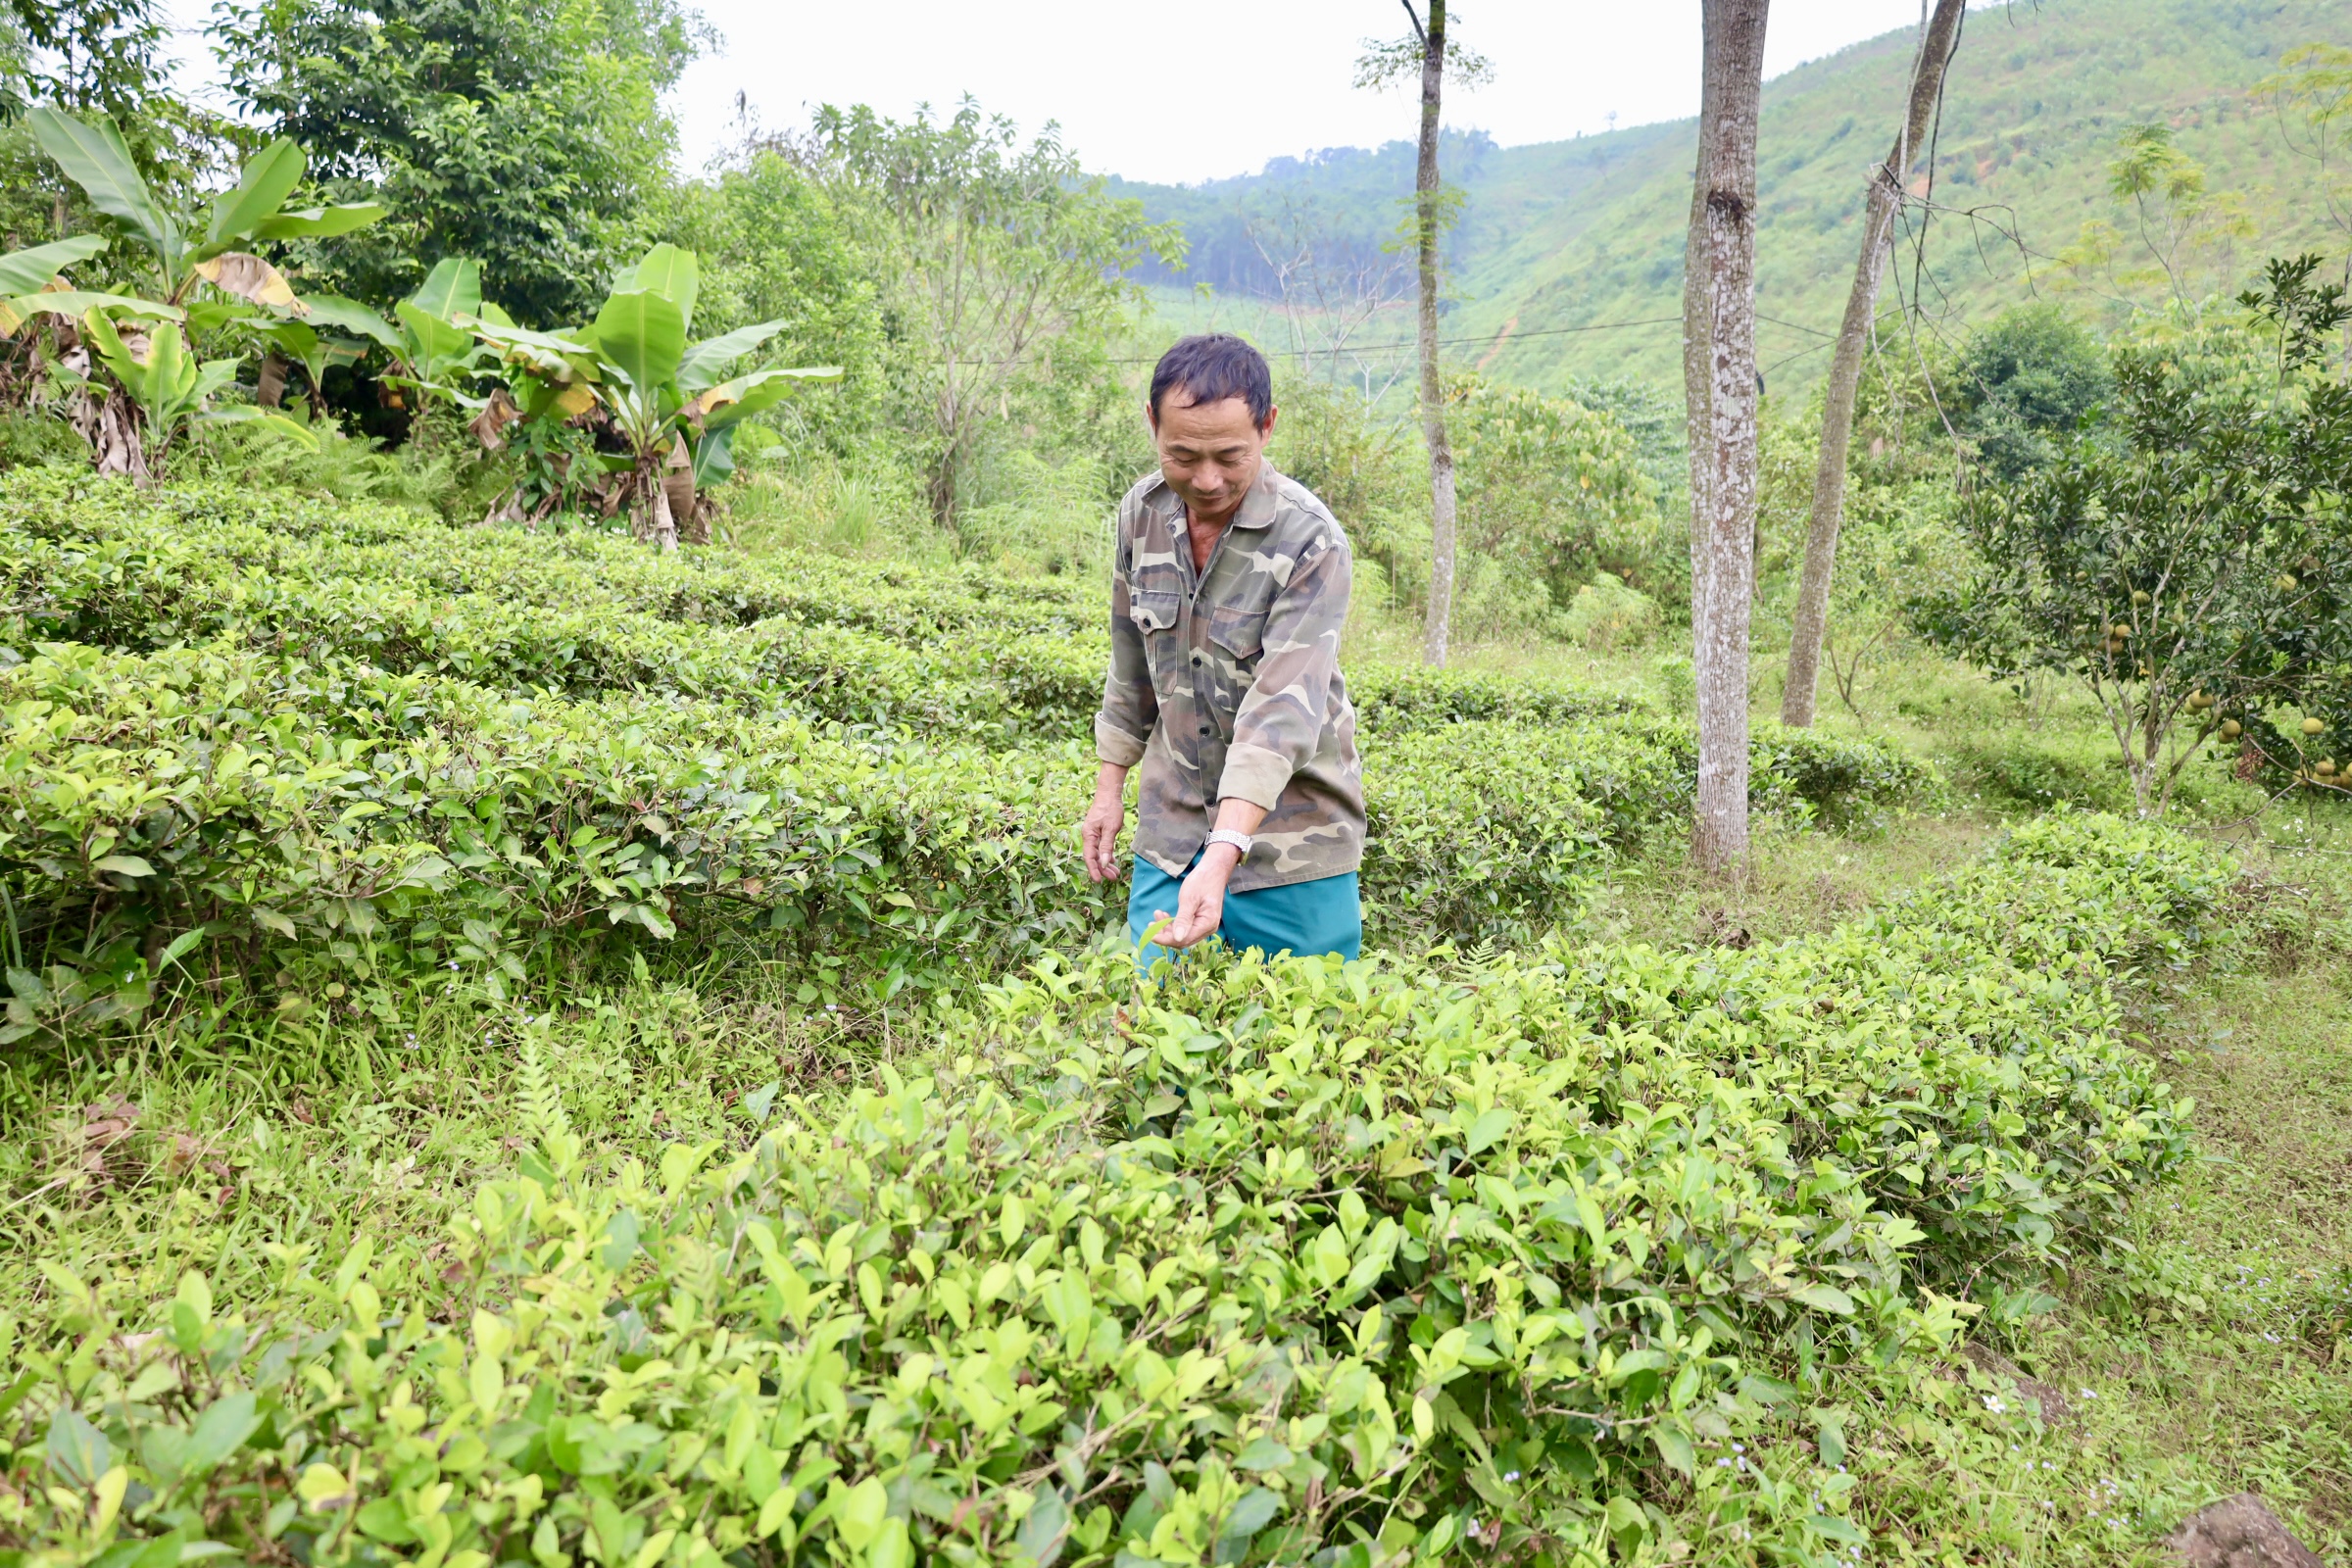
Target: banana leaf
pixel 707 359
pixel 350 316
pixel 642 334
pixel 28 272
pixel 672 274
pixel 730 402
pixel 319 222
pixel 249 278
pixel 553 357
pixel 79 303
pixel 263 186
pixel 94 156
pixel 453 288
pixel 268 418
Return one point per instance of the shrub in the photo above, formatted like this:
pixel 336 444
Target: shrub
pixel 214 807
pixel 368 824
pixel 1267 1262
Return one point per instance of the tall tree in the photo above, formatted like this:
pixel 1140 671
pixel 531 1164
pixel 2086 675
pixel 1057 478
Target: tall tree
pixel 1425 53
pixel 1427 192
pixel 1699 373
pixel 991 253
pixel 1719 323
pixel 528 134
pixel 83 55
pixel 1938 40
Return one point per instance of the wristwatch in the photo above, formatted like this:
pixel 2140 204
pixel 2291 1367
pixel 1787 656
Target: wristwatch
pixel 1240 841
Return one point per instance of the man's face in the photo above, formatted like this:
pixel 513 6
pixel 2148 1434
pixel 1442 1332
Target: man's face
pixel 1209 453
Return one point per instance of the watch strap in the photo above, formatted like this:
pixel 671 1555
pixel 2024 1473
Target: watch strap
pixel 1240 841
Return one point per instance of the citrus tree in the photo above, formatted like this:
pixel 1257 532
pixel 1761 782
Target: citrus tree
pixel 2190 564
pixel 669 402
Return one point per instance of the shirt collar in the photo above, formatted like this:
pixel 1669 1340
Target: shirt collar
pixel 1257 510
pixel 1258 507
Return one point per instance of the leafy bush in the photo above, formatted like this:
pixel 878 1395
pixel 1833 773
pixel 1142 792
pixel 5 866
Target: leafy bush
pixel 1491 831
pixel 939 654
pixel 2186 566
pixel 1270 1262
pixel 257 736
pixel 244 815
pixel 364 824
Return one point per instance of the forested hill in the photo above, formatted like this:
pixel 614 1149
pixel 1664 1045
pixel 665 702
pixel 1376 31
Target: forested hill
pixel 1577 233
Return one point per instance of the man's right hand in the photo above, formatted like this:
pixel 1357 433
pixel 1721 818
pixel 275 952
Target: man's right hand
pixel 1100 831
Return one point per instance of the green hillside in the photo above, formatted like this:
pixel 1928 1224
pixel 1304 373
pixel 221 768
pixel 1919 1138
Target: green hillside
pixel 1580 233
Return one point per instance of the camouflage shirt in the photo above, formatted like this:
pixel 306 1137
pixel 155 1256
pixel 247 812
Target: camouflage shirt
pixel 1226 681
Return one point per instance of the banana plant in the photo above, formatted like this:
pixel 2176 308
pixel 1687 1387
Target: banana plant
pixel 94 156
pixel 169 387
pixel 671 400
pixel 431 355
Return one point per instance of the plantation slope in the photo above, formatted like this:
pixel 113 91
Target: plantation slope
pixel 1588 231
pixel 1268 1259
pixel 310 750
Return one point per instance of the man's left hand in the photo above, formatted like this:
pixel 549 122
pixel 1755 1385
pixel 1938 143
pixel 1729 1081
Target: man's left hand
pixel 1201 903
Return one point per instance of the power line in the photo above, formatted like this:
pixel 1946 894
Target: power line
pixel 1444 342
pixel 1495 339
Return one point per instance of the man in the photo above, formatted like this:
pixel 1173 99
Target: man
pixel 1227 593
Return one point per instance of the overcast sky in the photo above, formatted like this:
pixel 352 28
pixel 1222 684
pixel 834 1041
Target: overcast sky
pixel 1195 89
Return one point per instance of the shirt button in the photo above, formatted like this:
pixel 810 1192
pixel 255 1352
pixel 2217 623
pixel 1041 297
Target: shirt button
pixel 1195 658
pixel 1205 729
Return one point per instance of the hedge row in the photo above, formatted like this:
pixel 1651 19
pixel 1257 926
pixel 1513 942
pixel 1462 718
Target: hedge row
pixel 67 531
pixel 1304 1262
pixel 333 818
pixel 946 656
pixel 931 652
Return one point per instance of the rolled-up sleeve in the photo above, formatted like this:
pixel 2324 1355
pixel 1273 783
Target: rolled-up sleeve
pixel 1129 707
pixel 1281 718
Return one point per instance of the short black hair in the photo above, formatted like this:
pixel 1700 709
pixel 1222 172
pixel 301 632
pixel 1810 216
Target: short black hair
pixel 1211 367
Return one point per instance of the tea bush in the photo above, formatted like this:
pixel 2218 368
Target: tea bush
pixel 1310 1260
pixel 962 654
pixel 288 747
pixel 241 814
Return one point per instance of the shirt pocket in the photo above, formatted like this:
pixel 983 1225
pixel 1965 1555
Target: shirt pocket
pixel 1152 610
pixel 1238 637
pixel 1155 615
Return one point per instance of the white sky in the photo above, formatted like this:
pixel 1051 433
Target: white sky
pixel 1198 89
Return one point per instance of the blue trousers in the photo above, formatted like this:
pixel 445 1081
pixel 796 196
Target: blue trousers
pixel 1324 916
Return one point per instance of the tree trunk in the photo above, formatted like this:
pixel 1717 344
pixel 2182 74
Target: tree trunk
pixel 1938 40
pixel 664 527
pixel 685 506
pixel 1433 393
pixel 1697 335
pixel 1734 46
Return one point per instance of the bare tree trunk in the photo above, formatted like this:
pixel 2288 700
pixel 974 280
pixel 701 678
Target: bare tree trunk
pixel 1697 334
pixel 1940 38
pixel 1433 392
pixel 1735 44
